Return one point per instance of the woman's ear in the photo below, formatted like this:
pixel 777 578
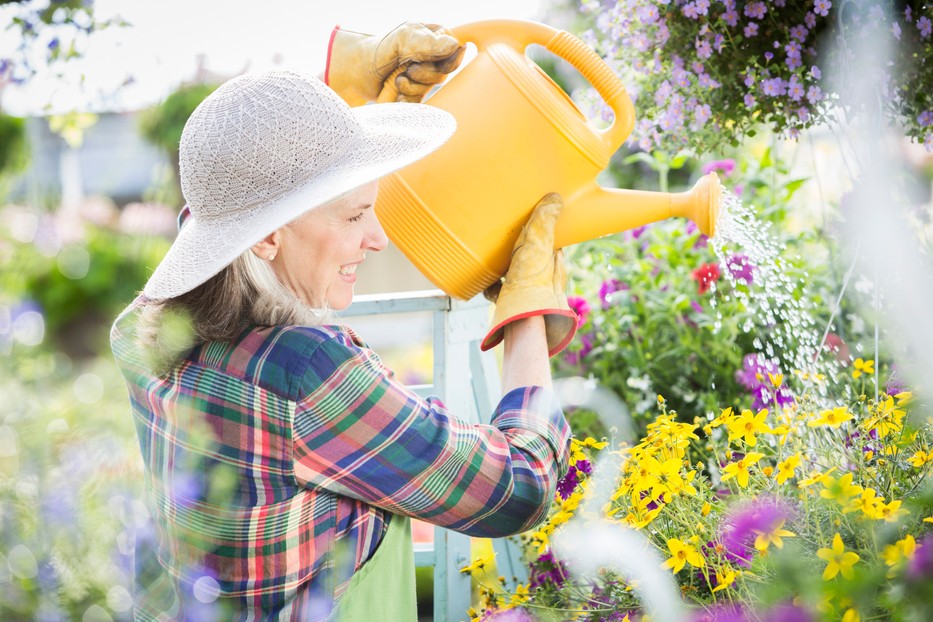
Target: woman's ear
pixel 268 247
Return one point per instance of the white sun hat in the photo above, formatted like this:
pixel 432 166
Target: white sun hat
pixel 265 148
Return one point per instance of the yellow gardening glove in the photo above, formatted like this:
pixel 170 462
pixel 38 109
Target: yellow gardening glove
pixel 535 281
pixel 401 66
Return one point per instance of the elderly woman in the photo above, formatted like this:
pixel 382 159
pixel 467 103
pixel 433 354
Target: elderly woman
pixel 282 459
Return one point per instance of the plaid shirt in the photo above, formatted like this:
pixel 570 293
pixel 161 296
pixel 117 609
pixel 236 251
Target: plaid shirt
pixel 274 463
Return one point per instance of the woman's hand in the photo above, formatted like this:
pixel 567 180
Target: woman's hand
pixel 401 66
pixel 534 284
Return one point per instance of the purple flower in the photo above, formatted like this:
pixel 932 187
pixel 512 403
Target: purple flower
pixel 749 79
pixel 787 613
pixel 896 30
pixel 822 7
pixel 648 14
pixel 921 566
pixel 567 483
pixel 690 10
pixel 769 56
pixel 751 29
pixel 774 87
pixel 638 231
pixel 746 521
pixel 701 115
pixel 795 89
pixel 575 356
pixel 547 570
pixel 814 94
pixel 704 49
pixel 696 306
pixel 908 14
pixel 702 6
pixel 755 370
pixel 581 307
pixel 810 20
pixel 741 269
pixel 765 396
pixel 722 613
pixel 731 17
pixel 925 26
pixel 749 100
pixel 756 10
pixel 799 32
pixel 608 288
pixel 925 118
pixel 725 167
pixel 815 72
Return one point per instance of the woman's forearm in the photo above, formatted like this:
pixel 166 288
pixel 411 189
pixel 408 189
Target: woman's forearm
pixel 525 360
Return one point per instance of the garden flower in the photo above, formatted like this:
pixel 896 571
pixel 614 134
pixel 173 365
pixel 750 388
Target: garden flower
pixel 895 554
pixel 837 559
pixel 724 579
pixel 885 419
pixel 841 490
pixel 832 418
pixel 747 425
pixel 724 167
pixel 890 512
pixel 739 469
pixel 547 570
pixel 921 458
pixel 772 536
pixel 863 367
pixel 815 478
pixel 786 468
pixel 681 554
pixel 867 502
pixel 607 289
pixel 705 276
pixel 664 477
pixel 921 566
pixel 745 524
pixel 581 307
pixel 566 485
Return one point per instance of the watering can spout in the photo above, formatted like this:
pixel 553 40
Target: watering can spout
pixel 599 211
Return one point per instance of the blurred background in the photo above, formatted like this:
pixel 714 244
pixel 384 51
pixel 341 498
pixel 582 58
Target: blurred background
pixel 93 98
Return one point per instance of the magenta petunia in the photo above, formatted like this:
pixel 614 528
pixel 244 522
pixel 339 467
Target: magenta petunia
pixel 606 290
pixel 581 307
pixel 724 167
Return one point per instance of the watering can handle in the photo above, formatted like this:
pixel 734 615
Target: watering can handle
pixel 520 34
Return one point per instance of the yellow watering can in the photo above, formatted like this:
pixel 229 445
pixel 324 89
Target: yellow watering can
pixel 457 213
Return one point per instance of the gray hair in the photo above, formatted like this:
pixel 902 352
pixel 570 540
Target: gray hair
pixel 246 293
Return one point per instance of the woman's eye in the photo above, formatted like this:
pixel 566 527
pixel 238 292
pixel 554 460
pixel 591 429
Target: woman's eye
pixel 357 218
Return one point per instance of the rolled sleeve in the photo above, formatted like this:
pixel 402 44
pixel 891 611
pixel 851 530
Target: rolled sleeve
pixel 361 434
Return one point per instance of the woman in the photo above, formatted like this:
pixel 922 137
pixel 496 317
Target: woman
pixel 282 458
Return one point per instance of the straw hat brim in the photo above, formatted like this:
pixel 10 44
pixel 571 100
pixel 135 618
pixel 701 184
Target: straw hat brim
pixel 392 136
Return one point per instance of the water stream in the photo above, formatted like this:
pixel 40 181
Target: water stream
pixel 781 314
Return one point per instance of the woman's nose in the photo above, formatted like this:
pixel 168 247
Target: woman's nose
pixel 375 239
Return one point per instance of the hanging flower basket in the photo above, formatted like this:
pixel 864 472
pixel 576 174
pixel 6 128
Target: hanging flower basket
pixel 707 72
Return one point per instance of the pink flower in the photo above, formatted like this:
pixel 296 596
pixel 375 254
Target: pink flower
pixel 608 288
pixel 725 167
pixel 581 307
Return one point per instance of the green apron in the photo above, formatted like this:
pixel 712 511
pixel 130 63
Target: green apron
pixel 384 588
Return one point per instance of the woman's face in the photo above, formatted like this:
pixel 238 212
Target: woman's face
pixel 319 253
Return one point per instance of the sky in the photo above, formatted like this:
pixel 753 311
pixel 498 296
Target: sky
pixel 129 68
